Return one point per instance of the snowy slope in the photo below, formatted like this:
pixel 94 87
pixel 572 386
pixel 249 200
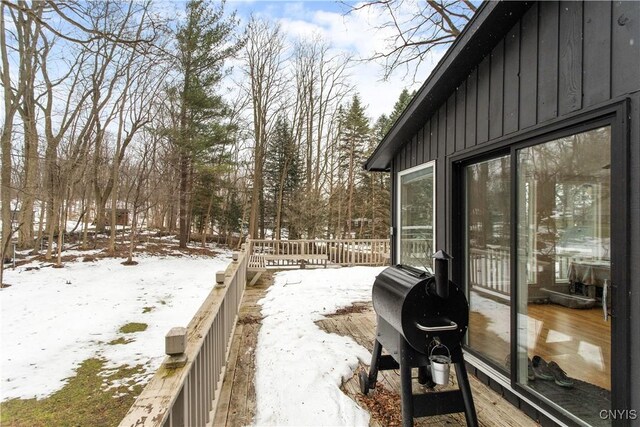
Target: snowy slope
pixel 53 319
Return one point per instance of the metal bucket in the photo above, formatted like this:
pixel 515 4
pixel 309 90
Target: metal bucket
pixel 440 366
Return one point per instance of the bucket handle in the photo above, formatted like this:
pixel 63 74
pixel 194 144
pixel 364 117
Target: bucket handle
pixel 439 345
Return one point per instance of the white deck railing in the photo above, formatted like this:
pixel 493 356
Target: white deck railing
pixel 186 396
pixel 490 269
pixel 337 251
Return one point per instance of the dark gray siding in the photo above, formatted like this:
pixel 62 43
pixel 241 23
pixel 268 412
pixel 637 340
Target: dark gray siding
pixel 561 57
pixel 634 234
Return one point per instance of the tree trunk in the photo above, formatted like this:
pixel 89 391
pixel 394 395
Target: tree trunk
pixel 351 185
pixel 31 174
pixel 132 238
pixel 184 181
pixel 255 193
pixel 51 232
pixel 206 220
pixel 61 229
pixel 28 30
pixel 10 108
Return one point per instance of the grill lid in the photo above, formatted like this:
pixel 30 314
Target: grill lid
pixel 406 298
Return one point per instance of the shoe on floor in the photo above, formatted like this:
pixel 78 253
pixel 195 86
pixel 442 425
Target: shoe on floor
pixel 541 369
pixel 560 376
pixel 530 374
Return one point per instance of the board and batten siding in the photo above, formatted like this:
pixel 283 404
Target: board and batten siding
pixel 559 58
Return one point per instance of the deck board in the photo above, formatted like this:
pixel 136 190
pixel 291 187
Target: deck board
pixel 492 409
pixel 222 411
pixel 236 405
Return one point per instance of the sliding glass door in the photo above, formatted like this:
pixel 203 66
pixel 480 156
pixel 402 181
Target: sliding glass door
pixel 550 305
pixel 488 246
pixel 563 247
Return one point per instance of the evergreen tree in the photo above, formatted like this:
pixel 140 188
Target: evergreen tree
pixel 384 123
pixel 282 172
pixel 204 42
pixel 375 188
pixel 354 140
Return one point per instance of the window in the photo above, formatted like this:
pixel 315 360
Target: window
pixel 416 215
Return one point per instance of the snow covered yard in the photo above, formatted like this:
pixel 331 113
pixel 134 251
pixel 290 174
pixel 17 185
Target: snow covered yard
pixel 299 367
pixel 52 320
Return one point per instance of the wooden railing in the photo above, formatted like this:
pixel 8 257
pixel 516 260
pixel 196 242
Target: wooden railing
pixel 337 251
pixel 490 269
pixel 185 396
pixel 416 251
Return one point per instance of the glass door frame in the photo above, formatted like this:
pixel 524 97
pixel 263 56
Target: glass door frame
pixel 614 115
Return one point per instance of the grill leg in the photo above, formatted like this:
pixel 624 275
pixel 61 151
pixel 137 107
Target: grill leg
pixel 424 377
pixel 406 393
pixel 465 389
pixel 375 363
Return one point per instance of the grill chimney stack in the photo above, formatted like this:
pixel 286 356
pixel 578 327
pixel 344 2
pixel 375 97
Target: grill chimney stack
pixel 441 273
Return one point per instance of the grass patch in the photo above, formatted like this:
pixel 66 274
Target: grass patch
pixel 132 327
pixel 147 309
pixel 121 340
pixel 83 401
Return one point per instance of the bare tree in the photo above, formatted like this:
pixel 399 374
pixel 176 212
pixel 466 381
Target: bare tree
pixel 321 79
pixel 11 99
pixel 417 28
pixel 66 117
pixel 27 30
pixel 142 187
pixel 264 65
pixel 74 14
pixel 139 89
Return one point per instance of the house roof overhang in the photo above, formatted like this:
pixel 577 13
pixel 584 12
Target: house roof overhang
pixel 490 23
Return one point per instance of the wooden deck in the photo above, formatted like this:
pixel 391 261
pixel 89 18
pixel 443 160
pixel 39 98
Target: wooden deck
pixel 236 404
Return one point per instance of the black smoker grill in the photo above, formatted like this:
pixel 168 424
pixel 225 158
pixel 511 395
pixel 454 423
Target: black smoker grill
pixel 418 314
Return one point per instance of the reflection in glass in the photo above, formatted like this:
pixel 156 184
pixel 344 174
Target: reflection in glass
pixel 416 217
pixel 564 272
pixel 488 258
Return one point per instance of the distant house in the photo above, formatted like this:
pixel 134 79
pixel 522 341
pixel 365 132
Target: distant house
pixel 122 216
pixel 520 156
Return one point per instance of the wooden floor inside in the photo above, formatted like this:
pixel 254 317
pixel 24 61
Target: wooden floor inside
pixel 579 340
pixel 236 404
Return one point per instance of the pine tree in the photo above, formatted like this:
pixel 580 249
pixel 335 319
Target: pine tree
pixel 384 123
pixel 204 42
pixel 375 188
pixel 282 172
pixel 354 140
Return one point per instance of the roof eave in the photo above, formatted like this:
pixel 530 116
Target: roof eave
pixel 486 28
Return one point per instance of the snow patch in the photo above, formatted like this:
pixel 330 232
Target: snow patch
pixel 299 367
